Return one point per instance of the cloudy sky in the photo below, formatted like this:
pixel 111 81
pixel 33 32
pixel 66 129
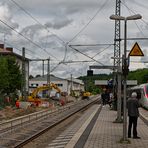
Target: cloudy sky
pixel 46 28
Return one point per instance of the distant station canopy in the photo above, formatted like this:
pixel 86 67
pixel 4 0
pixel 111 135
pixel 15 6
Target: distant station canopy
pixel 89 72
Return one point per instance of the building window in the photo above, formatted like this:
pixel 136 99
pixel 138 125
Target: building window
pixel 60 85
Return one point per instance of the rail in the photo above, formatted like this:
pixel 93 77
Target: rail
pixel 9 125
pixel 12 135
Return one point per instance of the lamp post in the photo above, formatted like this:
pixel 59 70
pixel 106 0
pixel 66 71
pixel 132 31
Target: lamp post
pixel 125 65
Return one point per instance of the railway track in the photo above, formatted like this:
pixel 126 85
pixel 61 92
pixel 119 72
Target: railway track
pixel 20 131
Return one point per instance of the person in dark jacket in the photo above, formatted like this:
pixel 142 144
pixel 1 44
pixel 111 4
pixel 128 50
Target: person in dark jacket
pixel 133 113
pixel 103 98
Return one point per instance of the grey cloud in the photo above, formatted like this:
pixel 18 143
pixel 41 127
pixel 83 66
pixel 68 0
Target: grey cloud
pixel 31 31
pixel 7 23
pixel 58 8
pixel 59 23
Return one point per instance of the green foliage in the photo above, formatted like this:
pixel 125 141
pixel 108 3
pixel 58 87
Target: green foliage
pixel 141 75
pixel 38 76
pixel 4 73
pixel 89 82
pixel 30 77
pixel 10 75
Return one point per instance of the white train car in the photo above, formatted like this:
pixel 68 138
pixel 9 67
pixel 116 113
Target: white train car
pixel 142 94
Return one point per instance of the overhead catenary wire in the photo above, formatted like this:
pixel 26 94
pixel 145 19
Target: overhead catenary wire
pixel 53 33
pixel 30 15
pixel 91 44
pixel 76 61
pixel 134 21
pixel 101 51
pixel 86 55
pixel 89 21
pixel 84 28
pixel 26 38
pixel 20 50
pixel 44 26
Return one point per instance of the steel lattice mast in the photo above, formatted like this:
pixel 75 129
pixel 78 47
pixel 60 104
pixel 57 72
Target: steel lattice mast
pixel 117 72
pixel 117 36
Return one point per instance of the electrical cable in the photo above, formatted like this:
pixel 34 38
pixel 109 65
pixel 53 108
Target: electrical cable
pixel 134 21
pixel 17 48
pixel 91 44
pixel 55 34
pixel 29 14
pixel 44 26
pixel 89 21
pixel 26 38
pixel 101 51
pixel 87 56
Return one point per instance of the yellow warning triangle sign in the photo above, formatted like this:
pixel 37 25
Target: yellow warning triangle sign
pixel 136 51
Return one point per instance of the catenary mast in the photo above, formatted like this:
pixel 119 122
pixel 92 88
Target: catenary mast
pixel 117 60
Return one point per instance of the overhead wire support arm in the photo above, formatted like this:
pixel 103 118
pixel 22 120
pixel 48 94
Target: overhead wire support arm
pixel 131 39
pixel 38 59
pixel 75 61
pixel 91 45
pixel 86 55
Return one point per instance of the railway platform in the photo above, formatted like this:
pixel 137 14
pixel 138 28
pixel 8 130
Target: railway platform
pixel 100 131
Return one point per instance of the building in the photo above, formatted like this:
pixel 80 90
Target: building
pixel 65 85
pixel 8 51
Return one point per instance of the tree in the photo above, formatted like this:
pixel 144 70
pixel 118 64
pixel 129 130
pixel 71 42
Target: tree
pixel 10 75
pixel 38 76
pixel 31 76
pixel 4 82
pixel 15 76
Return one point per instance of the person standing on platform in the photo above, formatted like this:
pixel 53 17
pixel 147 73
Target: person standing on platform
pixel 110 99
pixel 103 97
pixel 133 113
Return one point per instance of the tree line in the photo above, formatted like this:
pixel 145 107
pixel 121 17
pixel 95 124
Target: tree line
pixel 141 75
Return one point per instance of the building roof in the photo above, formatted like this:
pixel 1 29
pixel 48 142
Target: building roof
pixel 54 78
pixel 44 78
pixel 75 80
pixel 6 52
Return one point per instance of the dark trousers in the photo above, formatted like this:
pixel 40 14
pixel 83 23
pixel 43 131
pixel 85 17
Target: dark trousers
pixel 103 102
pixel 132 122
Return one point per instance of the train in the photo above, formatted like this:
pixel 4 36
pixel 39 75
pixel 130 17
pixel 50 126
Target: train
pixel 142 94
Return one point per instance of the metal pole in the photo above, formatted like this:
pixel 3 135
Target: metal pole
pixel 124 103
pixel 117 74
pixel 43 68
pixel 119 102
pixel 23 75
pixel 48 72
pixel 71 86
pixel 48 75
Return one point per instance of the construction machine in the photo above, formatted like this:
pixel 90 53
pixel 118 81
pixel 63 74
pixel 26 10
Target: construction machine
pixel 86 95
pixel 34 97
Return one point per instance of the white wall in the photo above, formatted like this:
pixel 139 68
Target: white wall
pixel 66 85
